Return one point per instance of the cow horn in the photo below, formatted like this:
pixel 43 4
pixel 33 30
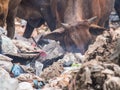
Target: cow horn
pixel 91 20
pixel 64 25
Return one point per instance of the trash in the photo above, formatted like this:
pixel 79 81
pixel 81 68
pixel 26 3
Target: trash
pixel 52 71
pixel 17 70
pixel 7 45
pixel 38 67
pixel 23 46
pixel 38 84
pixel 53 51
pixel 24 86
pixel 28 77
pixel 23 58
pixel 67 63
pixel 5 62
pixel 76 65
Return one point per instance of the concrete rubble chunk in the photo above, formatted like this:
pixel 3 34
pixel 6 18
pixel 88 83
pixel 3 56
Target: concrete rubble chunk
pixel 7 45
pixel 24 86
pixel 6 82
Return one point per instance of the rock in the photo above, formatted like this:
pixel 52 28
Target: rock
pixel 6 82
pixel 2 31
pixel 73 57
pixel 24 86
pixel 5 58
pixel 4 74
pixel 5 62
pixel 6 65
pixel 24 46
pixel 7 45
pixel 28 77
pixel 113 83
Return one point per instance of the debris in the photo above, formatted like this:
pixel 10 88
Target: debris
pixel 17 70
pixel 6 82
pixel 24 86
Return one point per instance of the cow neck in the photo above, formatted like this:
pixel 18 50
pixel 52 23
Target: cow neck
pixel 76 10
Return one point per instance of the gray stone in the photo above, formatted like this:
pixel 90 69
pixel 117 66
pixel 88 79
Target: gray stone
pixel 6 82
pixel 7 45
pixel 24 86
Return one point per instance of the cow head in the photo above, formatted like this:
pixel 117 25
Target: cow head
pixel 75 37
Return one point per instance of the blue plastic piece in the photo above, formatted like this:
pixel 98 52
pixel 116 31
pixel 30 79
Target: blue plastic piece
pixel 17 70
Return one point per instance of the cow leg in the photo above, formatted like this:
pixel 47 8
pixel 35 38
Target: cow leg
pixel 117 7
pixel 107 24
pixel 31 24
pixel 47 14
pixel 10 23
pixel 118 12
pixel 13 4
pixel 51 22
pixel 3 11
pixel 28 31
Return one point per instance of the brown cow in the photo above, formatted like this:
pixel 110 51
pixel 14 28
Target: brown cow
pixel 8 10
pixel 12 10
pixel 79 34
pixel 76 36
pixel 3 11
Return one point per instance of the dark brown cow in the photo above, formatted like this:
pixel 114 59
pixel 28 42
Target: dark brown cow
pixel 76 36
pixel 8 11
pixel 117 7
pixel 36 12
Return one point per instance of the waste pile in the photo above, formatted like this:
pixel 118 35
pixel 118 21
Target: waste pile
pixel 25 64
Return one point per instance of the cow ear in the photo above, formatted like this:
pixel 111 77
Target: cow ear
pixel 55 35
pixel 96 30
pixel 92 20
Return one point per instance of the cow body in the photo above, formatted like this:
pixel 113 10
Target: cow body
pixel 117 7
pixel 31 15
pixel 36 12
pixel 79 10
pixel 9 10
